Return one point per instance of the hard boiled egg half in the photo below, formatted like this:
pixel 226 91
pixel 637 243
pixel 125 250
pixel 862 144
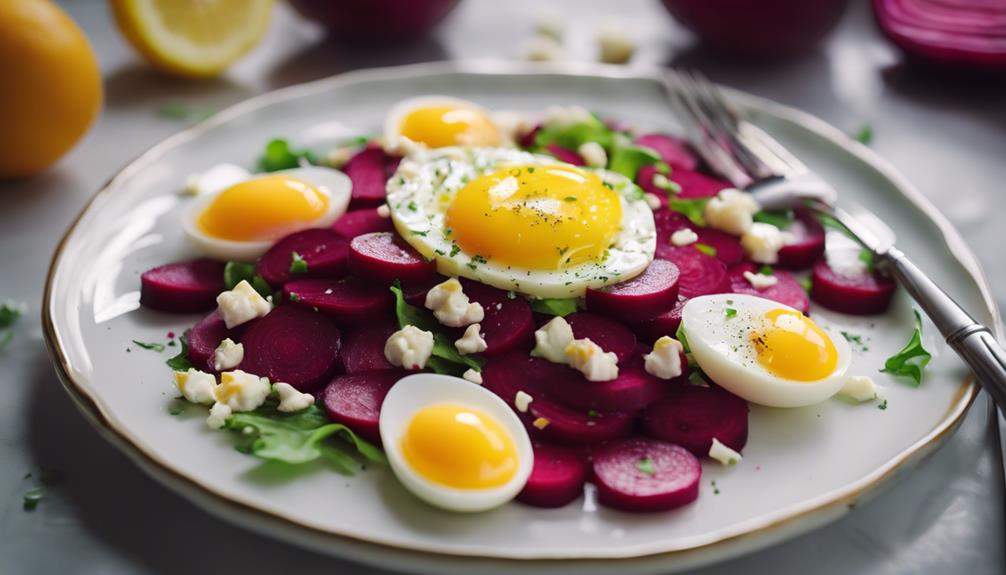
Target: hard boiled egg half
pixel 454 444
pixel 763 351
pixel 440 121
pixel 243 220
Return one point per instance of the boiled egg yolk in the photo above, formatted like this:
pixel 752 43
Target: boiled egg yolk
pixel 439 126
pixel 264 208
pixel 543 217
pixel 792 346
pixel 459 447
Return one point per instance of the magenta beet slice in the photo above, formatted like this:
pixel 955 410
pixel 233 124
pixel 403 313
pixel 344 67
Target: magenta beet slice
pixel 786 291
pixel 508 323
pixel 645 475
pixel 664 324
pixel 728 248
pixel 693 184
pixel 609 334
pixel 363 221
pixel 564 155
pixel 865 294
pixel 205 336
pixel 649 294
pixel 557 477
pixel 809 244
pixel 183 287
pixel 674 151
pixel 527 140
pixel 324 252
pixel 363 348
pixel 293 345
pixel 354 400
pixel 701 274
pixel 369 171
pixel 348 301
pixel 383 257
pixel 692 415
pixel 632 390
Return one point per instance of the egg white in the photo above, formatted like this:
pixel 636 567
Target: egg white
pixel 722 347
pixel 332 182
pixel 427 181
pixel 413 393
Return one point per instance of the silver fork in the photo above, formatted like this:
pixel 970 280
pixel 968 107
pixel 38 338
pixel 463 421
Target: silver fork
pixel 752 160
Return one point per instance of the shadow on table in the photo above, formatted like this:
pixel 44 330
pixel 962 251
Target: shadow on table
pixel 965 92
pixel 137 84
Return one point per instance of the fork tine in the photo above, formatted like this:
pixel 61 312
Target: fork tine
pixel 774 147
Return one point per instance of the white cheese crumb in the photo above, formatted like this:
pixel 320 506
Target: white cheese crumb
pixel 409 347
pixel 216 179
pixel 684 237
pixel 450 304
pixel 665 359
pixel 291 399
pixel 731 211
pixel 522 401
pixel 242 304
pixel 723 454
pixel 616 46
pixel 760 281
pixel 551 339
pixel 384 211
pixel 472 376
pixel 196 386
pixel 762 242
pixel 471 341
pixel 588 358
pixel 540 423
pixel 652 201
pixel 228 355
pixel 242 391
pixel 594 154
pixel 860 388
pixel 542 49
pixel 218 415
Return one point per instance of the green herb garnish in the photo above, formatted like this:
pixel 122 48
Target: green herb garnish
pixel 451 362
pixel 912 359
pixel 716 489
pixel 298 264
pixel 554 306
pixel 158 347
pixel 628 159
pixel 236 272
pixel 279 155
pixel 569 199
pixel 865 135
pixel 706 249
pixel 781 219
pixel 766 270
pixel 730 312
pixel 693 209
pixel 882 405
pixel 645 465
pixel 181 361
pixel 294 297
pixel 573 136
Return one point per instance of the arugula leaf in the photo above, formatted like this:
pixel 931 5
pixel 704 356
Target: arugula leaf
pixel 298 264
pixel 706 249
pixel 554 306
pixel 279 155
pixel 181 361
pixel 158 347
pixel 693 209
pixel 573 136
pixel 235 272
pixel 781 219
pixel 10 311
pixel 912 358
pixel 645 465
pixel 627 160
pixel 446 358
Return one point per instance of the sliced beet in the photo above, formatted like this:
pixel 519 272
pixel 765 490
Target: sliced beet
pixel 648 295
pixel 557 478
pixel 205 337
pixel 369 171
pixel 415 293
pixel 645 475
pixel 728 248
pixel 692 415
pixel 348 301
pixel 384 257
pixel 527 140
pixel 697 185
pixel 864 294
pixel 664 324
pixel 610 335
pixel 808 245
pixel 508 323
pixel 363 348
pixel 674 151
pixel 183 287
pixel 363 221
pixel 324 252
pixel 565 155
pixel 293 345
pixel 354 400
pixel 632 390
pixel 701 274
pixel 787 289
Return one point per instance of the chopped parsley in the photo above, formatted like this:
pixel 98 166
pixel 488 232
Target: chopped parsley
pixel 730 312
pixel 855 339
pixel 865 135
pixel 419 232
pixel 412 206
pixel 294 297
pixel 912 359
pixel 569 199
pixel 455 248
pixel 298 264
pixel 158 347
pixel 766 270
pixel 645 465
pixel 706 249
pixel 882 405
pixel 716 489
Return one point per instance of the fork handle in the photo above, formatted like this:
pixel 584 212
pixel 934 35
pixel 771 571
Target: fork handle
pixel 972 341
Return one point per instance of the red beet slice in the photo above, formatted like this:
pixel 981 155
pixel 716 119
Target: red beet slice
pixel 649 294
pixel 293 345
pixel 205 337
pixel 363 221
pixel 381 256
pixel 866 294
pixel 664 324
pixel 508 323
pixel 701 274
pixel 348 301
pixel 564 155
pixel 183 287
pixel 645 475
pixel 693 184
pixel 557 478
pixel 610 335
pixel 728 248
pixel 674 151
pixel 324 252
pixel 786 291
pixel 354 400
pixel 692 415
pixel 632 390
pixel 369 171
pixel 527 140
pixel 809 244
pixel 363 348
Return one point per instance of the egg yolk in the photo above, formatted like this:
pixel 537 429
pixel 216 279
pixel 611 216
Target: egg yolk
pixel 459 447
pixel 439 126
pixel 264 208
pixel 793 347
pixel 544 217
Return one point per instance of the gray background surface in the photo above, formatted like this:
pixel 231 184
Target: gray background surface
pixel 946 134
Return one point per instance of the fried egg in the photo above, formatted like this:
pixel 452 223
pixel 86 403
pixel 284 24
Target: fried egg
pixel 763 351
pixel 441 121
pixel 520 221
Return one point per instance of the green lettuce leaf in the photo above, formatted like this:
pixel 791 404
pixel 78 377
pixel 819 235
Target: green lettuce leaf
pixel 235 272
pixel 627 160
pixel 781 219
pixel 573 136
pixel 279 155
pixel 693 209
pixel 912 359
pixel 554 306
pixel 446 358
pixel 181 361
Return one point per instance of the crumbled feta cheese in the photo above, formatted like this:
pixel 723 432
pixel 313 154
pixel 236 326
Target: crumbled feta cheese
pixel 652 201
pixel 723 454
pixel 665 359
pixel 760 281
pixel 542 49
pixel 540 423
pixel 451 306
pixel 242 391
pixel 471 341
pixel 472 376
pixel 522 401
pixel 551 339
pixel 616 46
pixel 409 347
pixel 291 399
pixel 860 388
pixel 684 237
pixel 196 386
pixel 216 179
pixel 242 304
pixel 383 211
pixel 228 355
pixel 218 415
pixel 762 242
pixel 731 211
pixel 594 154
pixel 588 358
pixel 567 116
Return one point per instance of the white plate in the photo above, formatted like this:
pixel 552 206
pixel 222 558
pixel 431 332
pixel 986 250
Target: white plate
pixel 802 467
